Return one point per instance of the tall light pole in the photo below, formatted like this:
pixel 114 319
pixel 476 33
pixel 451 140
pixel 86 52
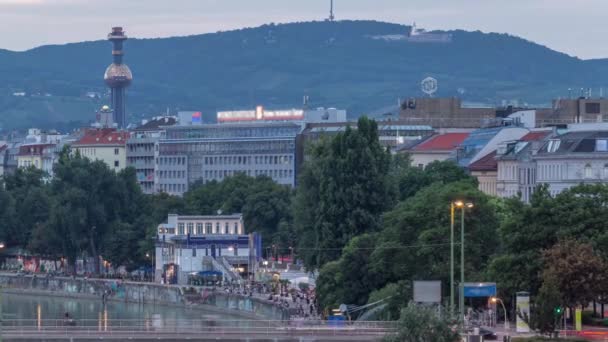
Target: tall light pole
pixel 504 309
pixel 452 206
pixel 463 206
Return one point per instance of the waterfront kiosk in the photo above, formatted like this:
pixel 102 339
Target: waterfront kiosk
pixel 192 244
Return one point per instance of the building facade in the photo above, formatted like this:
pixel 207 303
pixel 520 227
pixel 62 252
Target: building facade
pixel 517 167
pixel 571 159
pixel 142 150
pixel 188 245
pixel 105 144
pixel 485 170
pixel 40 156
pixel 187 154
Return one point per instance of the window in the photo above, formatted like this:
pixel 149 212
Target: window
pixel 588 171
pixel 217 228
pixel 190 228
pixel 180 229
pixel 226 229
pixel 193 252
pixel 116 163
pixel 601 145
pixel 208 228
pixel 116 151
pixel 553 145
pixel 199 229
pixel 236 228
pixel 592 108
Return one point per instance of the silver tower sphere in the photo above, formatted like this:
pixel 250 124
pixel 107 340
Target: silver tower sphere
pixel 118 75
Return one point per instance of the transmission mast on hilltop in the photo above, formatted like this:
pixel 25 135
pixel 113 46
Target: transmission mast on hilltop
pixel 331 10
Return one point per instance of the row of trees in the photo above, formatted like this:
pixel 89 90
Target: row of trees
pixel 371 223
pixel 88 210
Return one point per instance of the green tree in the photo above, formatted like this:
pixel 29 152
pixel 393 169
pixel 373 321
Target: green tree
pixel 415 242
pixel 410 179
pixel 330 292
pixel 263 203
pixel 344 189
pixel 355 280
pixel 420 323
pixel 30 204
pixel 527 229
pixel 544 316
pixel 577 270
pixel 393 298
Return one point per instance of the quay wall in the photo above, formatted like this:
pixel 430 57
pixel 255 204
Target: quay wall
pixel 146 293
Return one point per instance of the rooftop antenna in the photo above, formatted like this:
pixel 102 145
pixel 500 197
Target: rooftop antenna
pixel 331 10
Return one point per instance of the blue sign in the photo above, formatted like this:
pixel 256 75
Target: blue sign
pixel 480 290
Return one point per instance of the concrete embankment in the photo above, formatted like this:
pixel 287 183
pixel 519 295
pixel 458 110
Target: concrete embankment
pixel 136 292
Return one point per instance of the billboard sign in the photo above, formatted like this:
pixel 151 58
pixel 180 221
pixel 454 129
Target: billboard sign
pixel 427 291
pixel 523 310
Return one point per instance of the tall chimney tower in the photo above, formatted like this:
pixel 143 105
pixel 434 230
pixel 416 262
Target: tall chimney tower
pixel 331 10
pixel 118 77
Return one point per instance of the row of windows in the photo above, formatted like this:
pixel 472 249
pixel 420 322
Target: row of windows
pixel 171 251
pixel 141 160
pixel 229 147
pixel 171 160
pixel 171 174
pixel 228 173
pixel 550 171
pixel 246 160
pixel 232 132
pixel 28 163
pixel 140 147
pixel 172 188
pixel 88 151
pixel 191 229
pixel 556 171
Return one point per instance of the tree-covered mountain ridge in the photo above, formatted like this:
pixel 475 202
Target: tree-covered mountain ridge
pixel 337 64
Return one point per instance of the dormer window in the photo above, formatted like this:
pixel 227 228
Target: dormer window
pixel 553 145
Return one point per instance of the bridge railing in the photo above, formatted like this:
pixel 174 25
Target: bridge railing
pixel 207 326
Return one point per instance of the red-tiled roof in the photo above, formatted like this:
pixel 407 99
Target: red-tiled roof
pixel 487 163
pixel 533 136
pixel 104 136
pixel 33 149
pixel 442 142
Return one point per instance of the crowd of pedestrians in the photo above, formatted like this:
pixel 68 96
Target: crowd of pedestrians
pixel 301 303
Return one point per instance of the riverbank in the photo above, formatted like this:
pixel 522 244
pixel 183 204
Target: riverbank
pixel 145 293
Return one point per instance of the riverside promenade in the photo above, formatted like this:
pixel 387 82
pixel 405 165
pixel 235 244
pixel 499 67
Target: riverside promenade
pixel 250 318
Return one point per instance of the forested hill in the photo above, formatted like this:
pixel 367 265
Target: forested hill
pixel 337 64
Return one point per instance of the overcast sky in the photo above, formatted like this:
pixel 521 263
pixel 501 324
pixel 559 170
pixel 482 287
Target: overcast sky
pixel 576 27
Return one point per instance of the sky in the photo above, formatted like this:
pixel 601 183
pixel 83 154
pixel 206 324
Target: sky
pixel 576 27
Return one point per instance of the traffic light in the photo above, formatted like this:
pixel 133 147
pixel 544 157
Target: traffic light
pixel 558 310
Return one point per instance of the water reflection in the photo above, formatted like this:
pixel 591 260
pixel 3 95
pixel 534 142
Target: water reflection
pixel 39 311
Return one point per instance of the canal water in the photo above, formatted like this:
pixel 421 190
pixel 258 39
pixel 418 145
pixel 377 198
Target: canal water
pixel 32 310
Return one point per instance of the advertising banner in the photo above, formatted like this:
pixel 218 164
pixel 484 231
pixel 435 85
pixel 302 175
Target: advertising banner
pixel 523 310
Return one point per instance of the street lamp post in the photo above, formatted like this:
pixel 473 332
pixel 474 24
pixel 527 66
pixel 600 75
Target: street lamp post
pixel 463 206
pixel 504 309
pixel 452 257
